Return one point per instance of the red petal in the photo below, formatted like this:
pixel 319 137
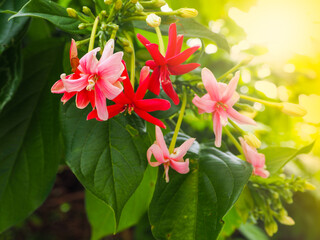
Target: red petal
pixel 179 44
pixel 66 97
pixel 58 87
pixel 150 105
pixel 143 40
pixel 122 99
pixel 82 99
pixel 171 49
pixel 93 114
pixel 146 116
pixel 144 84
pixel 115 109
pixel 126 82
pixel 182 69
pixel 155 54
pixel 182 57
pixel 154 83
pixel 169 90
pixel 151 64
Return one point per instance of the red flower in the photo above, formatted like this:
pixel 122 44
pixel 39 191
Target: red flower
pixel 130 101
pixel 170 64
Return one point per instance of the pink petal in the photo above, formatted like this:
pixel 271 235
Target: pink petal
pixel 261 172
pixel 172 41
pixel 231 88
pixel 73 53
pixel 58 87
pixel 166 171
pixel 182 57
pixel 108 50
pixel 74 85
pixel 180 167
pixel 217 128
pixel 155 150
pixel 204 104
pixel 88 63
pixel 109 90
pixel 82 99
pixel 211 84
pixel 101 107
pixel 161 142
pixel 182 69
pixel 179 152
pixel 236 116
pixel 111 69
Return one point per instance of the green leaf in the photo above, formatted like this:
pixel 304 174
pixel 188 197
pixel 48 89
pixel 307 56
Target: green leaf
pixel 11 31
pixel 29 149
pixel 252 232
pixel 192 206
pixel 109 158
pixel 11 73
pixel 52 12
pixel 101 216
pixel 190 28
pixel 277 157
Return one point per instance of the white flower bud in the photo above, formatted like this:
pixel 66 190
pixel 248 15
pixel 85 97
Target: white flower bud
pixel 187 12
pixel 153 20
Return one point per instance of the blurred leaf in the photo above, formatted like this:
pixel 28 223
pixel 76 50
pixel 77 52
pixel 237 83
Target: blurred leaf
pixel 11 31
pixel 52 12
pixel 29 149
pixel 252 232
pixel 101 215
pixel 277 157
pixel 109 158
pixel 191 206
pixel 11 73
pixel 190 28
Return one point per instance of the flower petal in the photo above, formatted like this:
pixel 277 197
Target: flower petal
pixel 143 40
pixel 88 63
pixel 182 57
pixel 179 44
pixel 128 89
pixel 261 172
pixel 154 82
pixel 150 105
pixel 58 87
pixel 182 69
pixel 73 54
pixel 217 128
pixel 236 116
pixel 152 64
pixel 101 107
pixel 204 104
pixel 210 83
pixel 180 167
pixel 66 97
pixel 171 49
pixel 74 84
pixel 109 90
pixel 108 50
pixel 179 152
pixel 169 90
pixel 155 150
pixel 82 99
pixel 144 83
pixel 111 69
pixel 231 88
pixel 146 116
pixel 162 144
pixel 155 54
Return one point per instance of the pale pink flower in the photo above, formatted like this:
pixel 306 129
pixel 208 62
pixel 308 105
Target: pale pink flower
pixel 219 101
pixel 175 160
pixel 93 80
pixel 256 159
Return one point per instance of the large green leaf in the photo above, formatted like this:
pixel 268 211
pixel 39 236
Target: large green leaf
pixel 52 12
pixel 11 31
pixel 277 157
pixel 109 158
pixel 190 28
pixel 101 216
pixel 192 206
pixel 29 142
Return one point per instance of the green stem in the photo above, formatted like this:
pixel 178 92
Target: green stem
pixel 132 60
pixel 267 103
pixel 113 34
pixel 93 34
pixel 233 139
pixel 237 127
pixel 229 71
pixel 165 13
pixel 176 130
pixel 111 13
pixel 142 18
pixel 161 45
pixel 78 43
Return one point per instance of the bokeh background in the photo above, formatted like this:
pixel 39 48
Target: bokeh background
pixel 283 37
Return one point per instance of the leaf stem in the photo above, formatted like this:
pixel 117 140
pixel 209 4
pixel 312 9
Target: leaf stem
pixel 233 139
pixel 268 103
pixel 176 131
pixel 139 18
pixel 242 132
pixel 231 70
pixel 93 34
pixel 161 45
pixel 132 60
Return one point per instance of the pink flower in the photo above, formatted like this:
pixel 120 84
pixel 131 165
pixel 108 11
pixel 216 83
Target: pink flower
pixel 175 160
pixel 256 159
pixel 92 81
pixel 219 101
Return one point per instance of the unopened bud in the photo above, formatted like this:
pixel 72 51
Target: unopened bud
pixel 139 7
pixel 153 20
pixel 153 3
pixel 286 220
pixel 187 12
pixel 84 25
pixel 103 13
pixel 124 41
pixel 134 1
pixel 294 110
pixel 128 49
pixel 309 186
pixel 271 227
pixel 200 85
pixel 159 3
pixel 87 11
pixel 252 140
pixel 72 13
pixel 118 4
pixel 108 2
